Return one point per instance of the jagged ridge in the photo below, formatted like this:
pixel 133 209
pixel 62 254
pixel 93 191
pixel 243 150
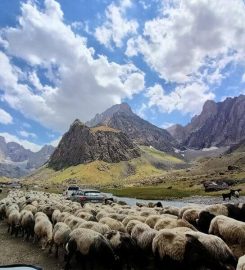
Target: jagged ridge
pixel 219 124
pixel 82 144
pixel 121 117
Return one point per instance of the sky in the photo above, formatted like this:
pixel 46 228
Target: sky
pixel 61 60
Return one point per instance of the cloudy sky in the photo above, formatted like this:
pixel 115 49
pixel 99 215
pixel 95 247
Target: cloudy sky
pixel 63 59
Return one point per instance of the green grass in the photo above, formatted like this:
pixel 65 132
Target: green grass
pixel 154 193
pixel 162 193
pixel 99 173
pixel 4 179
pixel 96 173
pixel 160 155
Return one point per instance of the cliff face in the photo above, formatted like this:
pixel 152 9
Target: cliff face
pixel 219 124
pixel 178 132
pixel 16 161
pixel 82 144
pixel 137 129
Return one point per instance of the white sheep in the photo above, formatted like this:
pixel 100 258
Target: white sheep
pixel 43 230
pixel 191 215
pixel 89 243
pixel 30 207
pixel 169 223
pixel 241 263
pixel 124 247
pixel 27 224
pixel 171 210
pixel 13 221
pixel 217 209
pixel 143 235
pixel 133 217
pixel 131 225
pixel 153 219
pixel 113 224
pixel 95 226
pixel 230 230
pixel 61 234
pixel 56 216
pixel 185 249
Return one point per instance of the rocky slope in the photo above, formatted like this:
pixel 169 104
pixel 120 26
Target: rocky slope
pixel 140 131
pixel 239 147
pixel 82 144
pixel 219 124
pixel 16 161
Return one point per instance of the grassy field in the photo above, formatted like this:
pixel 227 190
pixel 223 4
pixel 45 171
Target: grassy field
pixel 153 192
pixel 162 193
pixel 4 179
pixel 98 173
pixel 154 175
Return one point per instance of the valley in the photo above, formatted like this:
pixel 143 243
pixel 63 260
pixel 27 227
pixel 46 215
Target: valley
pixel 119 152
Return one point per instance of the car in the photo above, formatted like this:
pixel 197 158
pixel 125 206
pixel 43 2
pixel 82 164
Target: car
pixel 88 195
pixel 71 190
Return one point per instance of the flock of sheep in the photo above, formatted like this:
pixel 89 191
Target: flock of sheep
pixel 117 236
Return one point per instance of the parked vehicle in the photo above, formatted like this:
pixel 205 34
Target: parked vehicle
pixel 88 195
pixel 71 190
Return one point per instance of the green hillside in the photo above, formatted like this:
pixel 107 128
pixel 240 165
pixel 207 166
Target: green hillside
pixel 99 173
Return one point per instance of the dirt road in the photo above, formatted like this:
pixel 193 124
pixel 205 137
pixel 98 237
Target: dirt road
pixel 15 250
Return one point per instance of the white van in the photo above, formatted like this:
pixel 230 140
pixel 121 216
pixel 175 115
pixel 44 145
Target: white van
pixel 70 190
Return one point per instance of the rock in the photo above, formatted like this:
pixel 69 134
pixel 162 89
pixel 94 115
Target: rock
pixel 215 186
pixel 219 124
pixel 81 145
pixel 121 117
pixel 232 168
pixel 103 167
pixel 16 161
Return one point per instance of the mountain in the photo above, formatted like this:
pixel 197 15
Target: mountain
pixel 121 117
pixel 219 124
pixel 16 161
pixel 37 159
pixel 177 131
pixel 81 145
pixel 239 147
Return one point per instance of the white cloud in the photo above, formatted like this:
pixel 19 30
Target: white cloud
pixel 82 84
pixel 8 76
pixel 191 34
pixel 34 80
pixel 187 98
pixel 5 118
pixel 26 134
pixel 243 78
pixel 26 144
pixel 144 4
pixel 117 26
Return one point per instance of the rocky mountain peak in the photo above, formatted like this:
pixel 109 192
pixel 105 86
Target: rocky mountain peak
pixel 123 107
pixel 219 124
pixel 81 145
pixel 16 161
pixel 209 107
pixel 77 122
pixel 121 117
pixel 177 131
pixel 104 117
